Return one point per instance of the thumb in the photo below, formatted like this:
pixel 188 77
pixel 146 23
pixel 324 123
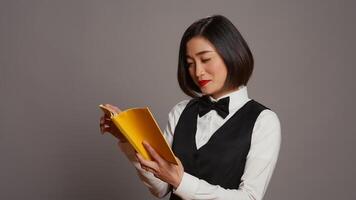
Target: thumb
pixel 114 108
pixel 179 162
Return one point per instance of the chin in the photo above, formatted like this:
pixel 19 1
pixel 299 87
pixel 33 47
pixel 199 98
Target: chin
pixel 206 92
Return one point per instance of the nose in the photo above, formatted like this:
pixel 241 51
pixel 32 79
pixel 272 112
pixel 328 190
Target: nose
pixel 199 70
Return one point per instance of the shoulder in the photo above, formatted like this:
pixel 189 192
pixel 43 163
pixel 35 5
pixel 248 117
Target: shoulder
pixel 267 128
pixel 267 118
pixel 174 114
pixel 178 108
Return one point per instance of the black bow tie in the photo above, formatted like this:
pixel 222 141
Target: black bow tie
pixel 221 106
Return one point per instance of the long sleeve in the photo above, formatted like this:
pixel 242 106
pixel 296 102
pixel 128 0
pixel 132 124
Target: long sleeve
pixel 260 164
pixel 156 186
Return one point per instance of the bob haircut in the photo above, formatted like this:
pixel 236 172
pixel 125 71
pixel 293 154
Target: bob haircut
pixel 229 44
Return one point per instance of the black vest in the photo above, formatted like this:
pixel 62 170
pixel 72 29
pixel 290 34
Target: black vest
pixel 221 161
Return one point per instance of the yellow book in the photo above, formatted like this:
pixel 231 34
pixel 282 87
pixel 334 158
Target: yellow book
pixel 138 125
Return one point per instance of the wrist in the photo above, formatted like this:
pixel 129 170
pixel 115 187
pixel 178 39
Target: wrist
pixel 178 180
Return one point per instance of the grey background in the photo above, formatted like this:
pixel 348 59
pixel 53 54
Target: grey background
pixel 60 59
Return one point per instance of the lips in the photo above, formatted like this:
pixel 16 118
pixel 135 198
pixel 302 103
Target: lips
pixel 203 82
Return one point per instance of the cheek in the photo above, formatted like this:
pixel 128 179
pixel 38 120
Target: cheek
pixel 191 73
pixel 219 71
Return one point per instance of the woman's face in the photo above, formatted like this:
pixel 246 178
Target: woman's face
pixel 206 67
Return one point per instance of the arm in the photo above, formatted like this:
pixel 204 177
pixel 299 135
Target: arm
pixel 156 186
pixel 260 163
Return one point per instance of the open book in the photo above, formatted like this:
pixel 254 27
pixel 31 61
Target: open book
pixel 138 125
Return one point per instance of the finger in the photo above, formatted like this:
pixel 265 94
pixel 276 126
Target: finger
pixel 105 120
pixel 106 129
pixel 153 153
pixel 108 110
pixel 179 162
pixel 101 125
pixel 151 170
pixel 140 158
pixel 144 167
pixel 147 169
pixel 147 163
pixel 116 109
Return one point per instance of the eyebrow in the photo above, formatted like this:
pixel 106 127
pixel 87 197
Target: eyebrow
pixel 199 53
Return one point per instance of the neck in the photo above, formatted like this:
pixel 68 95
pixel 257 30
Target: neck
pixel 222 93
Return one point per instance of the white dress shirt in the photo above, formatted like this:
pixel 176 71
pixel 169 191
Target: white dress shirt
pixel 260 161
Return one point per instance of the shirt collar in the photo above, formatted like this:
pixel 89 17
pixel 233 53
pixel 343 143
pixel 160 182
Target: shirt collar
pixel 237 98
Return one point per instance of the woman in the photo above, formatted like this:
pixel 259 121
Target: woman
pixel 227 144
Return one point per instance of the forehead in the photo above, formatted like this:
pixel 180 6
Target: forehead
pixel 198 45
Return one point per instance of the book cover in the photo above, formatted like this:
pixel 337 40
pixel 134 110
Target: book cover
pixel 138 125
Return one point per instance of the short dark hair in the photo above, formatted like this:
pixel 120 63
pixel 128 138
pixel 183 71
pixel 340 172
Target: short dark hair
pixel 230 45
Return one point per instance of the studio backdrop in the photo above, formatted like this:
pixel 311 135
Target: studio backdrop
pixel 60 59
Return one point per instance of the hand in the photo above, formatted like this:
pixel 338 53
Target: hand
pixel 162 169
pixel 106 125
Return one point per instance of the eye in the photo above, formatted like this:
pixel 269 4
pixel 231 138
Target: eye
pixel 205 60
pixel 189 64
